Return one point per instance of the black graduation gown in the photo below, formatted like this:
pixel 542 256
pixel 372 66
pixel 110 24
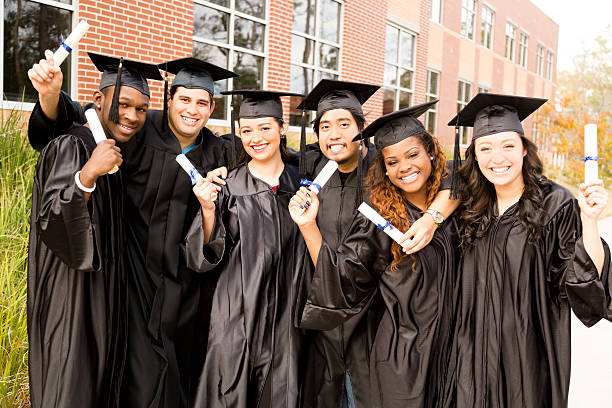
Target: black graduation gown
pixel 168 304
pixel 77 285
pixel 514 328
pixel 254 349
pixel 411 361
pixel 346 348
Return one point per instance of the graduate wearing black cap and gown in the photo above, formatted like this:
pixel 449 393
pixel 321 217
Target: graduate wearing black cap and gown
pixel 411 361
pixel 516 292
pixel 77 282
pixel 254 348
pixel 168 309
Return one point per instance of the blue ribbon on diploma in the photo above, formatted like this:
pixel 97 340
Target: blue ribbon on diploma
pixel 586 159
pixel 63 44
pixel 305 182
pixel 193 175
pixel 383 226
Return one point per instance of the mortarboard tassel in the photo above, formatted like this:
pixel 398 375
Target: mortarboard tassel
pixel 360 173
pixel 234 158
pixel 165 114
pixel 113 113
pixel 456 164
pixel 302 167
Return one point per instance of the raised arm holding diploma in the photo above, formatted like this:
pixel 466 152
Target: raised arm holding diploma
pixel 590 153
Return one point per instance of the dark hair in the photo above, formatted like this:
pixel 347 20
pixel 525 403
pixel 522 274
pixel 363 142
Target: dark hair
pixel 174 88
pixel 358 116
pixel 388 198
pixel 479 197
pixel 285 156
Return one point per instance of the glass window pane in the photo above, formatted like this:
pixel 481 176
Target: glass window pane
pixel 433 83
pixel 390 75
pixel 329 20
pixel 302 50
pixel 391 44
pixel 210 24
pixel 295 115
pixel 301 79
pixel 249 34
pixel 250 69
pixel 406 50
pixel 405 99
pixel 255 8
pixel 405 80
pixel 210 53
pixel 220 100
pixel 224 3
pixel 328 56
pixel 388 101
pixel 29 29
pixel 326 75
pixel 468 92
pixel 431 123
pixel 303 16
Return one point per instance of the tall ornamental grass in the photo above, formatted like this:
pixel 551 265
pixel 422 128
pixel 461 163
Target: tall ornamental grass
pixel 17 161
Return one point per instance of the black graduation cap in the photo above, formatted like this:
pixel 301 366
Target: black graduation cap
pixel 493 113
pixel 488 114
pixel 396 126
pixel 259 103
pixel 192 73
pixel 123 72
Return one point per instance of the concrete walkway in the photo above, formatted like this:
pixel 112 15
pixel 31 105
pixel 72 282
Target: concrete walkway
pixel 591 381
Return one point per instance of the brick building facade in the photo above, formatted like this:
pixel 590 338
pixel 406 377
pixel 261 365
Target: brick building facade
pixel 416 50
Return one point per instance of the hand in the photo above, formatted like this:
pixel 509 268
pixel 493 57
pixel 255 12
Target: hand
pixel 592 199
pixel 419 234
pixel 103 159
pixel 303 207
pixel 46 77
pixel 217 175
pixel 204 191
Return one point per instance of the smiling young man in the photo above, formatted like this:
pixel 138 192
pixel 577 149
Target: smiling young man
pixel 168 304
pixel 77 281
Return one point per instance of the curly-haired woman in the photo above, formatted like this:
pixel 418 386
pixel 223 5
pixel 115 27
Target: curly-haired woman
pixel 411 362
pixel 530 252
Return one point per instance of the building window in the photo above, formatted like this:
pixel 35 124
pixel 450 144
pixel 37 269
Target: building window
pixel 540 60
pixel 549 65
pixel 468 18
pixel 464 93
pixel 30 27
pixel 230 33
pixel 433 93
pixel 510 40
pixel 524 39
pixel 436 11
pixel 484 89
pixel 399 69
pixel 315 47
pixel 486 32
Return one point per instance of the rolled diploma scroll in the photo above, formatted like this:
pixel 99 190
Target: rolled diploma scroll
pixel 96 128
pixel 192 172
pixel 377 219
pixel 73 39
pixel 323 176
pixel 590 151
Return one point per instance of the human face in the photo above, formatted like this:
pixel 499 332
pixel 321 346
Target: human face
pixel 133 106
pixel 188 111
pixel 337 129
pixel 260 138
pixel 500 158
pixel 408 167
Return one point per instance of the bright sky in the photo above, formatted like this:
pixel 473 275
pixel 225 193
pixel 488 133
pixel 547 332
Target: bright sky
pixel 579 23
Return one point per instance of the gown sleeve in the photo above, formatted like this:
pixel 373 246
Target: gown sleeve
pixel 204 258
pixel 41 130
pixel 63 220
pixel 345 279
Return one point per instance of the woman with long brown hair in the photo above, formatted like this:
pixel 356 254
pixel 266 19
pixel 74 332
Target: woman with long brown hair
pixel 411 362
pixel 531 251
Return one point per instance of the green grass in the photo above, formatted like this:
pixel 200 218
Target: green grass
pixel 17 160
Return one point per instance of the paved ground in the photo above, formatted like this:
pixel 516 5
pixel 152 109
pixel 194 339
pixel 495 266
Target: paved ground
pixel 591 381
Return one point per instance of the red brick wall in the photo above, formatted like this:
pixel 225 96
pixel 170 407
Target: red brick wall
pixel 150 31
pixel 422 41
pixel 279 48
pixel 363 48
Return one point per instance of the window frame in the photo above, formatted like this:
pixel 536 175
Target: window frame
pixel 523 54
pixel 490 24
pixel 232 48
pixel 463 100
pixel 472 32
pixel 513 41
pixel 440 12
pixel 550 58
pixel 430 96
pixel 397 88
pixel 74 20
pixel 540 59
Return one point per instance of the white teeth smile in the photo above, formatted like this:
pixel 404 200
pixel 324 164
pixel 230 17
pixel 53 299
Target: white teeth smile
pixel 259 148
pixel 500 170
pixel 189 120
pixel 335 148
pixel 410 178
pixel 129 129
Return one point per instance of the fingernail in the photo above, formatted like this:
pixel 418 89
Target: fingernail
pixel 301 206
